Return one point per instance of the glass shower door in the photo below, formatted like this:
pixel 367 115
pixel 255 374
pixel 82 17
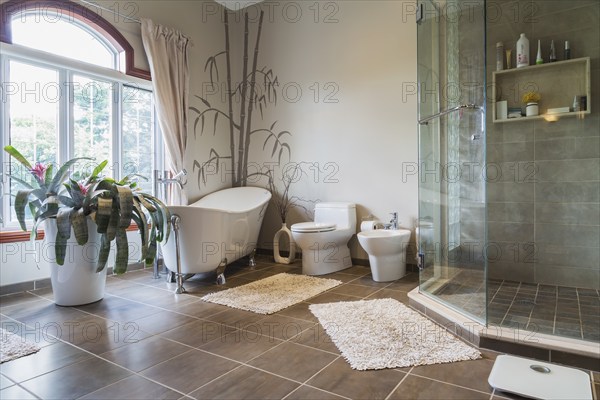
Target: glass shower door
pixel 451 228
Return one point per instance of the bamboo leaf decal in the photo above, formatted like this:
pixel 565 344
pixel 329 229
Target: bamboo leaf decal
pixel 215 124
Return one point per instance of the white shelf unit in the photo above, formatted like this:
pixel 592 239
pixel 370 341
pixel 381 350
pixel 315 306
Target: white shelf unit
pixel 557 83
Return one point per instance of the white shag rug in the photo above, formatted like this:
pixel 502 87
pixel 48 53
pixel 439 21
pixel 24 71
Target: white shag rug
pixel 384 333
pixel 272 294
pixel 13 346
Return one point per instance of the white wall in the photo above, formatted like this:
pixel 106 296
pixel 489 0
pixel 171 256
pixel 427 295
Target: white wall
pixel 359 128
pixel 367 56
pixel 365 53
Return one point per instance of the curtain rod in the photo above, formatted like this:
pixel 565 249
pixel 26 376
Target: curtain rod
pixel 136 20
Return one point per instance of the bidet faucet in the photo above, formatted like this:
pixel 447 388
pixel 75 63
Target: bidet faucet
pixel 393 222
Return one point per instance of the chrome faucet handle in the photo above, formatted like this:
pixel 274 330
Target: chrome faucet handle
pixel 394 221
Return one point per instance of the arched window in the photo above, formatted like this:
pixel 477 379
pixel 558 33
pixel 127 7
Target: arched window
pixel 48 34
pixel 69 90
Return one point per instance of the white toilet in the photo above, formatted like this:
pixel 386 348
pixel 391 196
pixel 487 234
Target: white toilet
pixel 387 252
pixel 324 242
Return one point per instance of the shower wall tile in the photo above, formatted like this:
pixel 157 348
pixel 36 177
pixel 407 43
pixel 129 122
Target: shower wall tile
pixel 561 20
pixel 513 171
pixel 472 211
pixel 568 170
pixel 555 189
pixel 511 271
pixel 505 152
pixel 511 252
pixel 507 133
pixel 567 192
pixel 580 235
pixel 510 192
pixel 561 254
pixel 558 275
pixel 511 212
pixel 569 148
pixel 510 232
pixel 568 213
pixel 567 128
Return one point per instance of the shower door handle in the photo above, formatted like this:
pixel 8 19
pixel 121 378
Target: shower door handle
pixel 426 120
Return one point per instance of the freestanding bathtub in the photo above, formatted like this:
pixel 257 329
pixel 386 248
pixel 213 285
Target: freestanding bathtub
pixel 216 230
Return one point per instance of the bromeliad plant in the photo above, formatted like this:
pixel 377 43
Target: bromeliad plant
pixel 110 204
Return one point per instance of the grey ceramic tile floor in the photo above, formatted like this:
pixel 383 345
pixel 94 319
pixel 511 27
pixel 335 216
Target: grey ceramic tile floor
pixel 144 342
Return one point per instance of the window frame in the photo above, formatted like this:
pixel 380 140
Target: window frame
pixel 66 67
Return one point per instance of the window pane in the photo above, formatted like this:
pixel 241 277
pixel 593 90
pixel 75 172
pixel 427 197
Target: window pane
pixel 92 116
pixel 60 34
pixel 33 103
pixel 137 135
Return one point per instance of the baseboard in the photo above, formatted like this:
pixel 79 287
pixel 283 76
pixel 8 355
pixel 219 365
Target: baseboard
pixel 21 287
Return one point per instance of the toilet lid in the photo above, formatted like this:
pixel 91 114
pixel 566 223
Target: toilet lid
pixel 313 227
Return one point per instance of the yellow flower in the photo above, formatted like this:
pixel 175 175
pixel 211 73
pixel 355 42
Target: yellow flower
pixel 531 97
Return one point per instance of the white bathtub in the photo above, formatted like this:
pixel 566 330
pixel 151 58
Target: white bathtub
pixel 222 225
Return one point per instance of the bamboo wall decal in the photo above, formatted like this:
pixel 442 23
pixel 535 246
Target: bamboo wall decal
pixel 251 103
pixel 250 99
pixel 229 92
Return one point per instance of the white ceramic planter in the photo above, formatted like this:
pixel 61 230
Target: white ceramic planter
pixel 292 256
pixel 76 282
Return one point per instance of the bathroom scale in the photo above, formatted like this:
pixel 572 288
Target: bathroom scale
pixel 539 380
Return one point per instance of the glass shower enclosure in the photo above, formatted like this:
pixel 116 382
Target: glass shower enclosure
pixel 452 143
pixel 509 208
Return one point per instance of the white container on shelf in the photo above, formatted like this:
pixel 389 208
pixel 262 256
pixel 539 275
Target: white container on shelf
pixel 522 51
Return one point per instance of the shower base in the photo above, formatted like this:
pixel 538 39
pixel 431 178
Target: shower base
pixel 465 319
pixel 556 310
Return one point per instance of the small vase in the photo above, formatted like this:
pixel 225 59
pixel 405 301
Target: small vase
pixel 292 256
pixel 531 109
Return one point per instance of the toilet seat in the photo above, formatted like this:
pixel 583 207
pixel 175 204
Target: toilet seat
pixel 308 227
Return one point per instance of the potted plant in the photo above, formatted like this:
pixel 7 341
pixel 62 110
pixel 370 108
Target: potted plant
pixel 531 100
pixel 82 215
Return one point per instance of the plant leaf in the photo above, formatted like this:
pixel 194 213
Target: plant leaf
pixel 104 252
pixel 122 252
pixel 62 173
pixel 60 248
pixel 80 228
pixel 125 206
pixel 18 156
pixel 20 203
pixel 103 214
pixel 63 222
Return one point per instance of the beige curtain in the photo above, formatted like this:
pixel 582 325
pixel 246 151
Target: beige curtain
pixel 167 51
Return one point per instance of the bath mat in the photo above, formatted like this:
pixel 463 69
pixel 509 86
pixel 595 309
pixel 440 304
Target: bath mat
pixel 272 294
pixel 13 346
pixel 384 333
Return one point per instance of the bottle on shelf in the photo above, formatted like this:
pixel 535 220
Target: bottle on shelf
pixel 567 50
pixel 522 51
pixel 539 59
pixel 499 56
pixel 552 52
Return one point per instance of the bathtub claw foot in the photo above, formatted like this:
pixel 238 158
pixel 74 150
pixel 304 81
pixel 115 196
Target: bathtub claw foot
pixel 252 259
pixel 221 272
pixel 171 276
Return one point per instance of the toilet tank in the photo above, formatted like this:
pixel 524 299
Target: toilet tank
pixel 339 213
